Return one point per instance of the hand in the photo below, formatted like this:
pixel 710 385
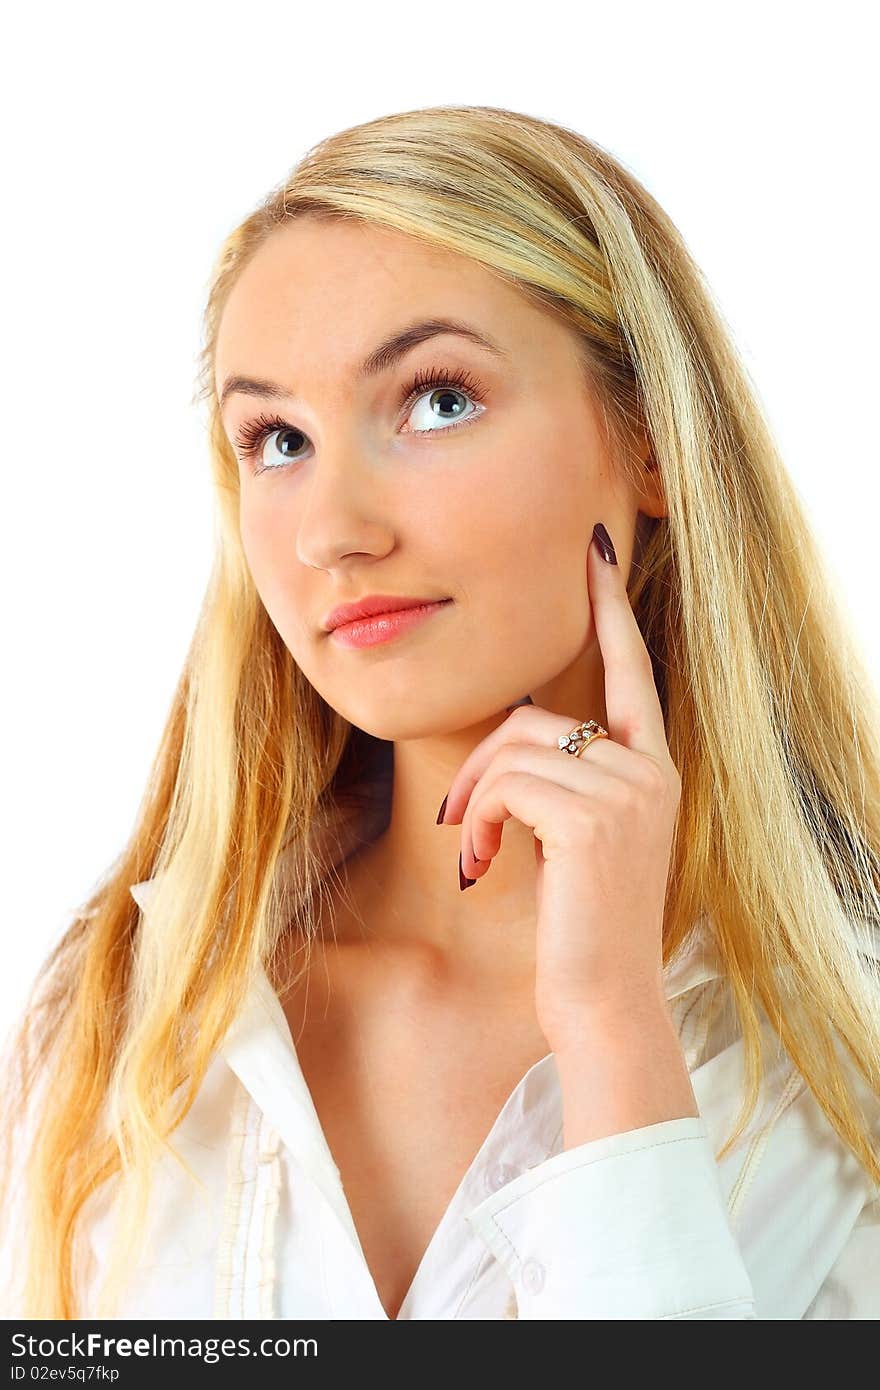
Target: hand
pixel 603 825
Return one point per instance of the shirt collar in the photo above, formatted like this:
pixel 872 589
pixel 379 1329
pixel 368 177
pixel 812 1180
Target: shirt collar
pixel 258 1046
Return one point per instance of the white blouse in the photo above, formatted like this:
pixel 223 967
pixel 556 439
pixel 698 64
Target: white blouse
pixel 643 1224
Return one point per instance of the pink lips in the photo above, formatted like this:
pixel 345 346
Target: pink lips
pixel 383 627
pixel 370 605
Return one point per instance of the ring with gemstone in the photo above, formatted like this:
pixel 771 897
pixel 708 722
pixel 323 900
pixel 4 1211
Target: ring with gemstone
pixel 581 736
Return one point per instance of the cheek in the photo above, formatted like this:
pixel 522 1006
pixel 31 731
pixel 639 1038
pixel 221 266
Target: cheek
pixel 534 508
pixel 527 545
pixel 262 540
pixel 271 559
pixel 529 560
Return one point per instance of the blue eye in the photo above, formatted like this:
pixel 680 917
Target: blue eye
pixel 439 400
pixel 252 433
pixel 442 385
pixel 441 388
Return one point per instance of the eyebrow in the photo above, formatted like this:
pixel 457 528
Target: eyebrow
pixel 379 360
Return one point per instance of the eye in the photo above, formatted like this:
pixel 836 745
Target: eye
pixel 444 390
pixel 253 433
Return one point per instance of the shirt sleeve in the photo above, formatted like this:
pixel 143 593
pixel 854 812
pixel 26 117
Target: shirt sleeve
pixel 852 1287
pixel 632 1226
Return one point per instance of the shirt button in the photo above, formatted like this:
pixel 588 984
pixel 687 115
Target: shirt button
pixel 533 1276
pixel 498 1174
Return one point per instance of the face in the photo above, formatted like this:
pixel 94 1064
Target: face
pixel 481 489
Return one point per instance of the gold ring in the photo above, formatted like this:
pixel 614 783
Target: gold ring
pixel 581 736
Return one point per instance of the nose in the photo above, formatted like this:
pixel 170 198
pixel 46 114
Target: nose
pixel 345 510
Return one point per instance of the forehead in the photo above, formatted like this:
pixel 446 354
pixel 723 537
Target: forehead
pixel 328 291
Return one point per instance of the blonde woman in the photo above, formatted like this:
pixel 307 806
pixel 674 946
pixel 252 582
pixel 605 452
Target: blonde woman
pixel 498 936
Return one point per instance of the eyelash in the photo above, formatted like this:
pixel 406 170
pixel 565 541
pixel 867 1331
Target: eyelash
pixel 253 433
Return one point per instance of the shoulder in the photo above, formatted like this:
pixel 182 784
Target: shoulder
pixel 173 1275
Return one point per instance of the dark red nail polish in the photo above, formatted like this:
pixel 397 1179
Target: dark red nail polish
pixel 462 881
pixel 442 812
pixel 603 540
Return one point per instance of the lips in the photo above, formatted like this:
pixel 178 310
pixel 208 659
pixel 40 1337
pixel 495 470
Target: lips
pixel 372 605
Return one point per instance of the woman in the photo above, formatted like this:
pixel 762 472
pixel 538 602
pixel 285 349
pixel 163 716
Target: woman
pixel 636 1071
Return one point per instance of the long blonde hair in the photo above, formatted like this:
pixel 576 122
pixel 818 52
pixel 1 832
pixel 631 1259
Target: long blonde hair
pixel 770 717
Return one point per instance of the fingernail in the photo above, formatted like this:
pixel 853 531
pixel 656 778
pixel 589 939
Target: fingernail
pixel 462 881
pixel 526 700
pixel 603 540
pixel 442 811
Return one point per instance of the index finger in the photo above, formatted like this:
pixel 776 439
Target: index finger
pixel 632 704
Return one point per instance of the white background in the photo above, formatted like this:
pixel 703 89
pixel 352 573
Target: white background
pixel 135 139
